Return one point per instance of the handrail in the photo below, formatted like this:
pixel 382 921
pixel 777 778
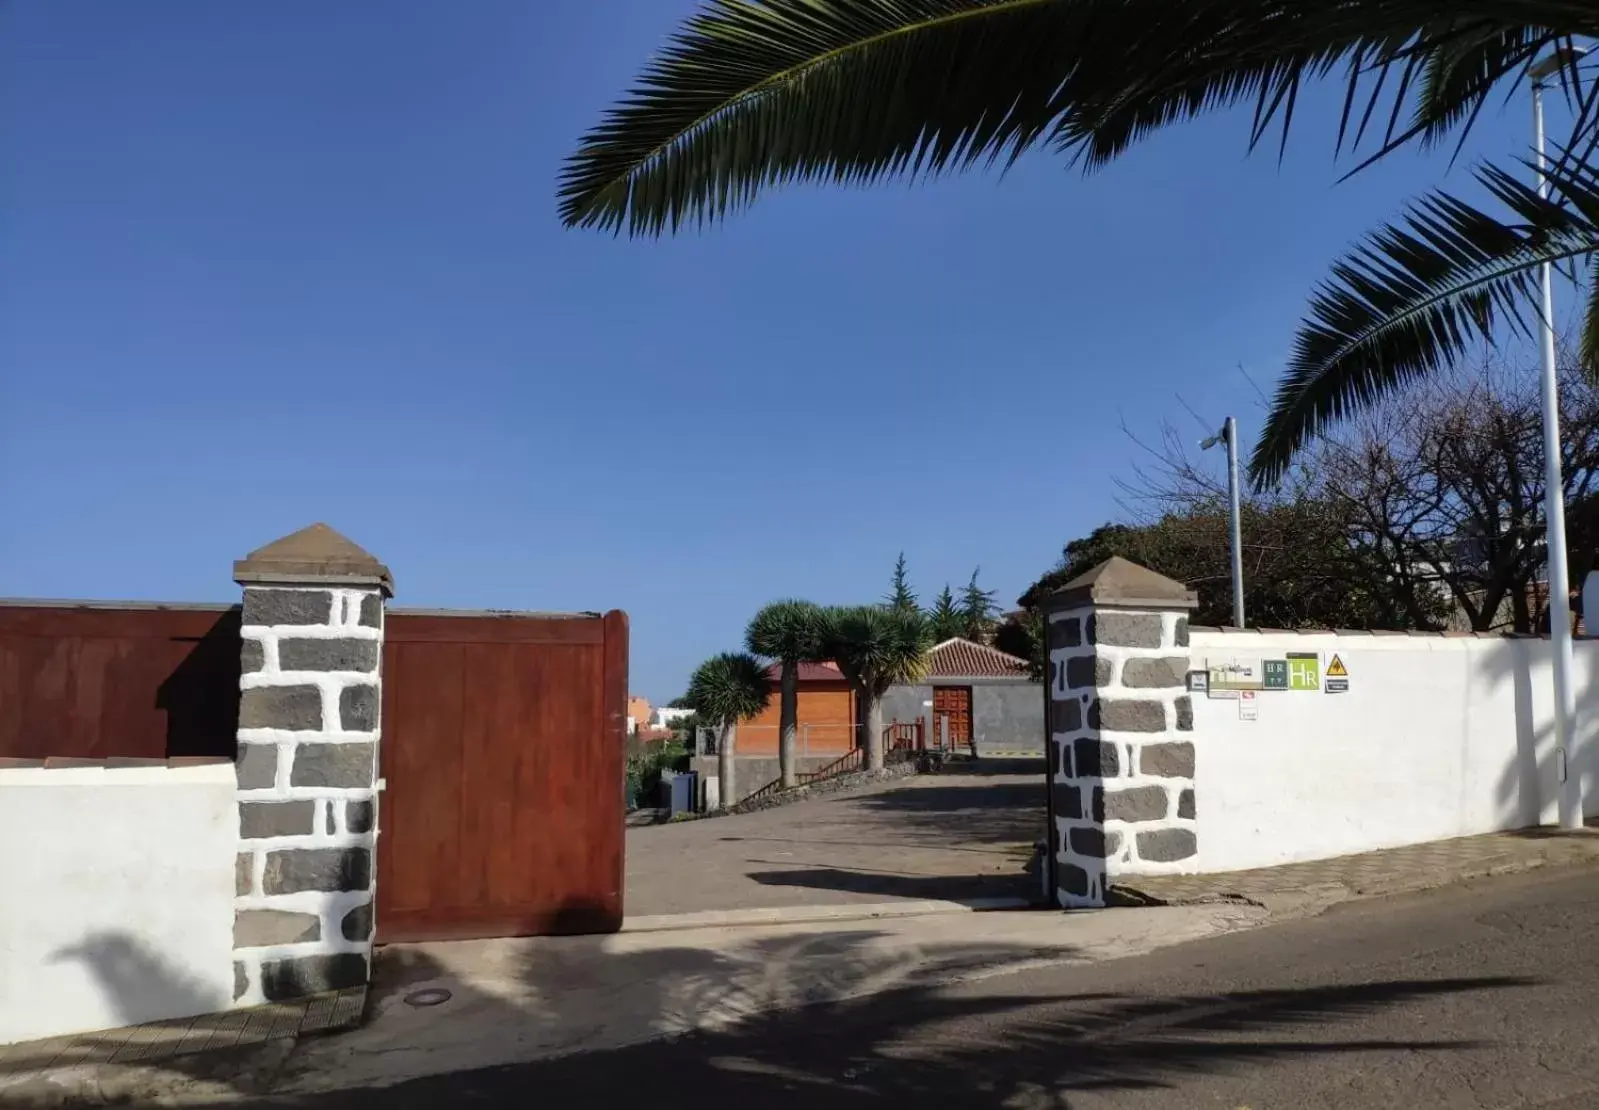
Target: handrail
pixel 901 741
pixel 765 791
pixel 840 766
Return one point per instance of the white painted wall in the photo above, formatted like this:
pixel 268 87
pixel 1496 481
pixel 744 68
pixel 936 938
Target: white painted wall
pixel 1438 736
pixel 117 892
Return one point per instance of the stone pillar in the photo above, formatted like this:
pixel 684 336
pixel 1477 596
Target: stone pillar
pixel 1120 723
pixel 311 645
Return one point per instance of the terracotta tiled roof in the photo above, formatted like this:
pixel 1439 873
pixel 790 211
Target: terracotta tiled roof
pixel 809 672
pixel 964 659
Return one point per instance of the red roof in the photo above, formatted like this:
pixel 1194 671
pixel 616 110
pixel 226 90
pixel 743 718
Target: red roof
pixel 964 659
pixel 809 672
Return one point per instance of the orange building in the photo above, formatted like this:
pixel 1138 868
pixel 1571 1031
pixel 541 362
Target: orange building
pixel 826 715
pixel 638 713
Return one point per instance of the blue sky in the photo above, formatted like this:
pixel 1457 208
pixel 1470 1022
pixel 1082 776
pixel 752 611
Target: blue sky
pixel 268 263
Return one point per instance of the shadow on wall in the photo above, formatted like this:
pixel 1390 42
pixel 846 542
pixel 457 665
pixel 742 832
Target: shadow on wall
pixel 138 983
pixel 1528 788
pixel 201 696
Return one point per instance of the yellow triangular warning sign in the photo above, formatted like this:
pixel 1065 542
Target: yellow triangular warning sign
pixel 1335 669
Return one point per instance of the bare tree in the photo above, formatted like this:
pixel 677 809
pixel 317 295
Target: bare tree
pixel 1424 512
pixel 1445 485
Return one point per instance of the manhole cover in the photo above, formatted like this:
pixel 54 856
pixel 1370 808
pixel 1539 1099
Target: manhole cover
pixel 430 997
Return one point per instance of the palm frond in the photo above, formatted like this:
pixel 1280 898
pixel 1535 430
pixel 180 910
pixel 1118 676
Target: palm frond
pixel 1415 295
pixel 1460 75
pixel 789 630
pixel 749 95
pixel 876 647
pixel 1589 349
pixel 728 687
pixel 755 93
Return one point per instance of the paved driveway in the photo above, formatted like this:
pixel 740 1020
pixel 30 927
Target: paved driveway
pixel 955 836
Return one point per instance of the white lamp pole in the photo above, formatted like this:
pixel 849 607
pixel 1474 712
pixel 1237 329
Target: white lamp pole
pixel 1559 573
pixel 1229 436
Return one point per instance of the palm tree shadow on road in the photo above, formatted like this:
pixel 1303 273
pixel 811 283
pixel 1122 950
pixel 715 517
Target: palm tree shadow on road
pixel 740 1025
pixel 920 1043
pixel 787 1020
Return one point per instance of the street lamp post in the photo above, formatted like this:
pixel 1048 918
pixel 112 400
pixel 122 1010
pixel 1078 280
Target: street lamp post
pixel 1559 574
pixel 1229 436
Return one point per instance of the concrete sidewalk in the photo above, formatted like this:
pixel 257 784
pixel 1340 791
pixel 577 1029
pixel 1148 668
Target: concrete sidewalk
pixel 1298 889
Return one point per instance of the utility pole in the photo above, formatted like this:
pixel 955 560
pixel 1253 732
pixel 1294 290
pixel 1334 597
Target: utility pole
pixel 1559 574
pixel 1229 436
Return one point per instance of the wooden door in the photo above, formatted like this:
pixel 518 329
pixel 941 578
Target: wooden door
pixel 502 753
pixel 953 704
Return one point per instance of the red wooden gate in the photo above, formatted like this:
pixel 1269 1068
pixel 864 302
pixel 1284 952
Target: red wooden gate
pixel 502 752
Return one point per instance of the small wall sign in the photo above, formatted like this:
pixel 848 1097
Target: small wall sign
pixel 1198 682
pixel 1337 677
pixel 1304 670
pixel 1235 674
pixel 1248 706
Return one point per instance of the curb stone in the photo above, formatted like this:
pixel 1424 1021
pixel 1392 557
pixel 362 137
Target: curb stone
pixel 1309 900
pixel 202 1078
pixel 806 915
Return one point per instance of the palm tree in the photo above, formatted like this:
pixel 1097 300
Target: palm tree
pixel 749 95
pixel 726 689
pixel 791 633
pixel 875 647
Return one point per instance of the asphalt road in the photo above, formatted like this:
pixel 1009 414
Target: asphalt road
pixel 1479 995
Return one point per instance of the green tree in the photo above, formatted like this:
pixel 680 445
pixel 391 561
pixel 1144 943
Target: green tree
pixel 977 610
pixel 791 633
pixel 750 95
pixel 900 595
pixel 1301 569
pixel 1022 634
pixel 945 621
pixel 724 690
pixel 875 648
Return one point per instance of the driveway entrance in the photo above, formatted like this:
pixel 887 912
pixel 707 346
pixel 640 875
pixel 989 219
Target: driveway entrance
pixel 947 836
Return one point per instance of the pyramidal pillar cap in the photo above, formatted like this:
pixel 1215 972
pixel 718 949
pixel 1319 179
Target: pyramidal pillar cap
pixel 1122 583
pixel 316 555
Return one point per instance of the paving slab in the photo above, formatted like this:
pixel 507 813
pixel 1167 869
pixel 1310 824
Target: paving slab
pixel 141 1061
